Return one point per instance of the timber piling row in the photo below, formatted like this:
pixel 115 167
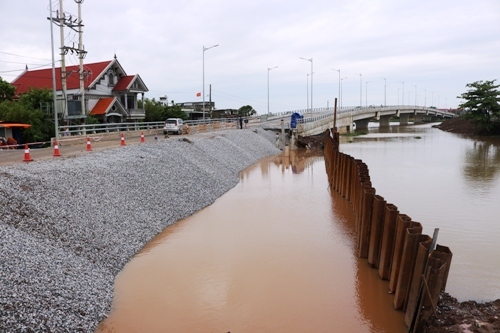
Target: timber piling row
pixel 391 241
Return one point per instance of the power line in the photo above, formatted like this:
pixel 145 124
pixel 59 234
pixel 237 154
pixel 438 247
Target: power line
pixel 18 55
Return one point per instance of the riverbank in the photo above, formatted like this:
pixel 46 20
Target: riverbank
pixel 68 226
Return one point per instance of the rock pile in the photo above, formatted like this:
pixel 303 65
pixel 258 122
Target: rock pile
pixel 68 226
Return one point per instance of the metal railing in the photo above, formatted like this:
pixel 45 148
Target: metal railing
pixel 197 125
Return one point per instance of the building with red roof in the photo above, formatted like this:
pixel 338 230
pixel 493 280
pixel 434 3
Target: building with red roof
pixel 109 93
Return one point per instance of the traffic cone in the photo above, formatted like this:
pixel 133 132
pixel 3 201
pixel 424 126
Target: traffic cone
pixel 122 141
pixel 27 157
pixel 56 149
pixel 142 138
pixel 89 146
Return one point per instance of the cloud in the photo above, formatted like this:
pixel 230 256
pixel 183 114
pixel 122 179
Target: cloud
pixel 439 46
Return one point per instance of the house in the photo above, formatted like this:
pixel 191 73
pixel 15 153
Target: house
pixel 110 94
pixel 194 110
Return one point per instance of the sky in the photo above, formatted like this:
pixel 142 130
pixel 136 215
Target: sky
pixel 388 51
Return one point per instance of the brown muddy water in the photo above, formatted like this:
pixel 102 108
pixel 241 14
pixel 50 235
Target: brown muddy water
pixel 274 254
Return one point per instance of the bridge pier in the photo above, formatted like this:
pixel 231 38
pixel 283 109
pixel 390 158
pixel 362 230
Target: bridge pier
pixel 403 119
pixel 384 121
pixel 418 118
pixel 362 124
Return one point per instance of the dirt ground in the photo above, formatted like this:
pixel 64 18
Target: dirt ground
pixel 457 125
pixel 465 317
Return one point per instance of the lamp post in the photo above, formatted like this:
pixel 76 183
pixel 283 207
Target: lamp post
pixel 204 49
pixel 342 79
pixel 366 92
pixel 340 100
pixel 310 60
pixel 385 91
pixel 360 89
pixel 425 97
pixel 307 91
pixel 268 70
pixel 403 95
pixel 415 95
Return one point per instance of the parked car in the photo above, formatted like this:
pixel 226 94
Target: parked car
pixel 173 125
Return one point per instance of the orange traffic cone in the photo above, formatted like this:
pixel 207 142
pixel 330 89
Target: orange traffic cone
pixel 27 157
pixel 89 146
pixel 142 138
pixel 122 141
pixel 56 149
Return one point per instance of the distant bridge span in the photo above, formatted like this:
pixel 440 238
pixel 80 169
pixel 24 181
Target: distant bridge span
pixel 322 119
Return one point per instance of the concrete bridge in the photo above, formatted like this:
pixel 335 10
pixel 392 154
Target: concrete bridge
pixel 358 117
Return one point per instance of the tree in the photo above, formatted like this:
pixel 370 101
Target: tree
pixel 27 110
pixel 157 111
pixel 482 105
pixel 7 91
pixel 246 111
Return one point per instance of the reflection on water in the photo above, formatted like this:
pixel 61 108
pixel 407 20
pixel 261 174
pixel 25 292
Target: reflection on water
pixel 482 163
pixel 274 254
pixel 448 182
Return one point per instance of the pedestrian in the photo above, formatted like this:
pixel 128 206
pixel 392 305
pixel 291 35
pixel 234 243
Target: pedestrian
pixel 241 123
pixel 246 122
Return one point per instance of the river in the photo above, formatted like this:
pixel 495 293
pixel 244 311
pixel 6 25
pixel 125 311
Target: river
pixel 444 181
pixel 276 253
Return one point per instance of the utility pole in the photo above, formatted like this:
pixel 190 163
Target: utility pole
pixel 76 25
pixel 54 108
pixel 81 55
pixel 63 61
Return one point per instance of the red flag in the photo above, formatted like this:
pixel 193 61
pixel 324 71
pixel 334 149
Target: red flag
pixel 198 94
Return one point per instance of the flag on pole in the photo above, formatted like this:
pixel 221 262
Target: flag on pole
pixel 198 94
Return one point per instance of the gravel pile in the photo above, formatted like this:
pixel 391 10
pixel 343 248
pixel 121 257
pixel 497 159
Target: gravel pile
pixel 68 226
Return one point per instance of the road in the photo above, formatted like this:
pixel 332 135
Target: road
pixel 72 147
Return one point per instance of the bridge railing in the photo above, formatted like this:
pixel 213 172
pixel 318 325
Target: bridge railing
pixel 85 129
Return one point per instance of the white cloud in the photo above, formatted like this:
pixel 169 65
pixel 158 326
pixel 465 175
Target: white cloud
pixel 439 46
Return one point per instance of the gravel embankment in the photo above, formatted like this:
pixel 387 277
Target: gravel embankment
pixel 68 226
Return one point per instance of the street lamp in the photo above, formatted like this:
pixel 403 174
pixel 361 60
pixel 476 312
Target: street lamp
pixel 403 95
pixel 268 70
pixel 415 95
pixel 342 79
pixel 360 89
pixel 311 60
pixel 385 91
pixel 340 100
pixel 204 49
pixel 307 91
pixel 366 92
